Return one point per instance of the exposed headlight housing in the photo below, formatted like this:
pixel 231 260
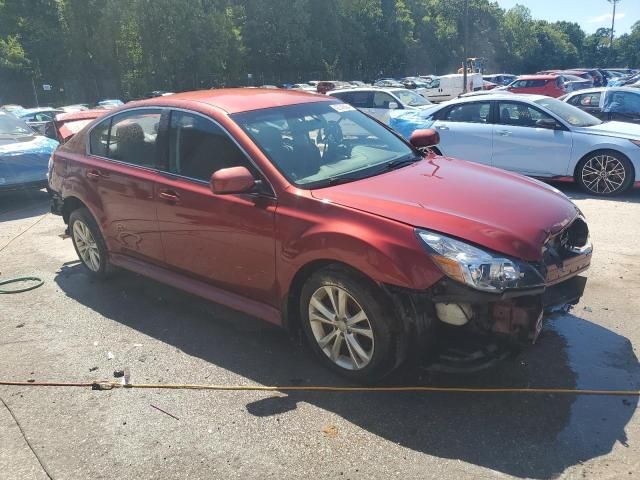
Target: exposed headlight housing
pixel 478 268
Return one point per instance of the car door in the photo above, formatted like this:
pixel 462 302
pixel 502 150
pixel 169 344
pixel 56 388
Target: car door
pixel 226 240
pixel 521 146
pixel 466 131
pixel 119 176
pixel 621 106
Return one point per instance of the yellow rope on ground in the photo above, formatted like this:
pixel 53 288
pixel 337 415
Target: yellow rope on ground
pixel 316 388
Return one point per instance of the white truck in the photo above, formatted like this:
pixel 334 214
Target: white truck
pixel 448 87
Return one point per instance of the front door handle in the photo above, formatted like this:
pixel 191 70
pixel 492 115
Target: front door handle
pixel 170 196
pixel 442 127
pixel 504 133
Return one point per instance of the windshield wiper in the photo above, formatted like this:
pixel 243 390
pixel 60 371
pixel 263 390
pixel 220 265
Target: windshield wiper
pixel 401 162
pixel 338 180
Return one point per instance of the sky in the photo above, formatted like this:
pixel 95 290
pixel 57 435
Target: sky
pixel 590 14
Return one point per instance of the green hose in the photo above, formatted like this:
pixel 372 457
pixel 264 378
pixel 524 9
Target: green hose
pixel 39 283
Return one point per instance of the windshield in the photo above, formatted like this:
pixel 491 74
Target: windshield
pixel 407 97
pixel 10 125
pixel 318 144
pixel 570 114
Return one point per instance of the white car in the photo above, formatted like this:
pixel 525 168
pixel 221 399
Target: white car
pixel 540 137
pixel 379 102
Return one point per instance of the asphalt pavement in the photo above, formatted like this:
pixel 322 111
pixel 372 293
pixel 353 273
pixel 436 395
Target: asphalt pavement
pixel 75 329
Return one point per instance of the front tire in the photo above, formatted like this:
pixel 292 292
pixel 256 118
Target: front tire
pixel 605 173
pixel 348 325
pixel 89 243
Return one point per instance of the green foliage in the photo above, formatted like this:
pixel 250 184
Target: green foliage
pixel 90 49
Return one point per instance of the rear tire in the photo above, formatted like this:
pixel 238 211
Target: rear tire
pixel 89 243
pixel 605 173
pixel 349 326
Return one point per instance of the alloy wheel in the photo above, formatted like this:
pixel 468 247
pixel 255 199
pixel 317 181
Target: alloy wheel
pixel 341 327
pixel 603 174
pixel 86 245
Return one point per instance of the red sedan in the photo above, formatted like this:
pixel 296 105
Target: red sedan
pixel 300 210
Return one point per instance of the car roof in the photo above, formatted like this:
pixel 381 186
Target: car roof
pixel 544 76
pixel 235 100
pixel 368 89
pixel 27 111
pixel 602 89
pixel 496 97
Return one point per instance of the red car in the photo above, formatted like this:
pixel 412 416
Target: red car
pixel 300 210
pixel 550 85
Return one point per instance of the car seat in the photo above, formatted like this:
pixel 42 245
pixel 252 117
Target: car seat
pixel 131 145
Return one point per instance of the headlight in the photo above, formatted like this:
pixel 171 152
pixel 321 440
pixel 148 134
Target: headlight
pixel 476 267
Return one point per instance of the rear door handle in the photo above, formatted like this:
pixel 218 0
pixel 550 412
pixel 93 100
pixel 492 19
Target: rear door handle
pixel 93 175
pixel 442 127
pixel 170 196
pixel 504 133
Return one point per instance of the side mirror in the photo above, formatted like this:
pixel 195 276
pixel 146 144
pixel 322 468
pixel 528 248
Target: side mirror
pixel 426 137
pixel 547 123
pixel 393 105
pixel 232 180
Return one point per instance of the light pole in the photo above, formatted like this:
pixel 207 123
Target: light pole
pixel 464 46
pixel 613 21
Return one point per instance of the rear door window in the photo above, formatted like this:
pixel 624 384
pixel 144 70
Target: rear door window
pixel 586 100
pixel 382 100
pixel 477 112
pixel 129 137
pixel 357 99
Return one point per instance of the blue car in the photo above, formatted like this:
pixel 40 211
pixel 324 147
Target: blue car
pixel 24 155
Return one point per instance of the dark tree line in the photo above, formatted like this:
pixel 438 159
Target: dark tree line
pixel 90 49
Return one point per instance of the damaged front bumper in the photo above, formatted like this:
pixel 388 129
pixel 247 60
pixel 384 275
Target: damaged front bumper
pixel 457 328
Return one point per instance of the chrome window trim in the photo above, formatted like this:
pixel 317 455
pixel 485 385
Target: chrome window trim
pixel 163 172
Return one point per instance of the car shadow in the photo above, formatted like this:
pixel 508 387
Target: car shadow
pixel 574 192
pixel 525 435
pixel 16 205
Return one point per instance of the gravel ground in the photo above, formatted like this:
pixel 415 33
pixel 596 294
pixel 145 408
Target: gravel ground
pixel 69 329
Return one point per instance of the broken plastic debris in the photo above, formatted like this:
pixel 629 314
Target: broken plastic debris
pixel 95 344
pixel 330 430
pixel 137 344
pixel 110 356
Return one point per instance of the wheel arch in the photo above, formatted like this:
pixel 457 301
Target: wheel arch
pixel 69 204
pixel 290 303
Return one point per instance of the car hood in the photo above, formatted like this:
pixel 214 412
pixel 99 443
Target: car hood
pixel 498 210
pixel 613 129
